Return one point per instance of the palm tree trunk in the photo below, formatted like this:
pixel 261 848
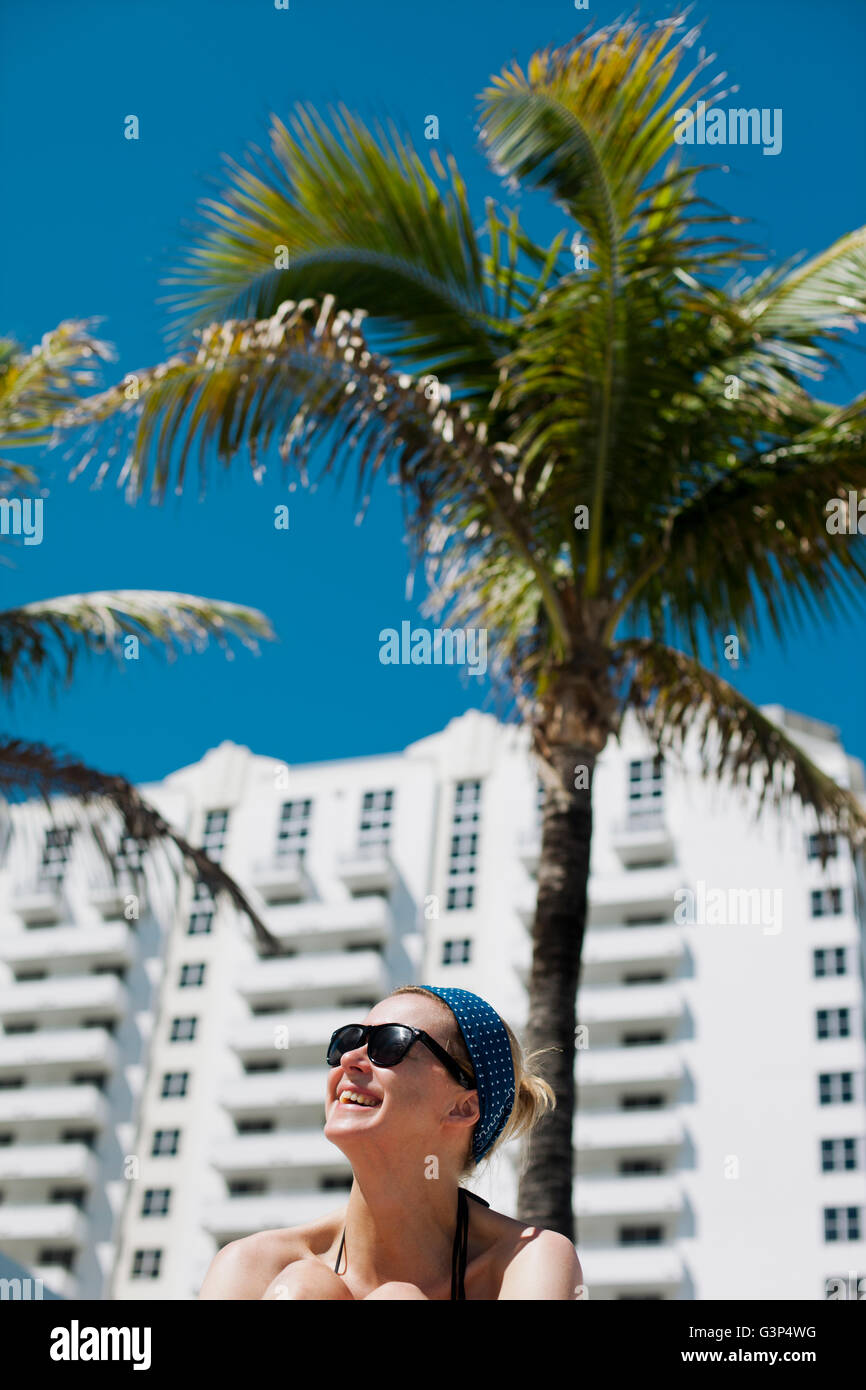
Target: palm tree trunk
pixel 545 1193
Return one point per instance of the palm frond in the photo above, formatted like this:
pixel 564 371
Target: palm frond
pixel 49 636
pixel 673 695
pixel 34 769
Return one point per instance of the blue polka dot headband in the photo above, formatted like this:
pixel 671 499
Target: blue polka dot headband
pixel 488 1047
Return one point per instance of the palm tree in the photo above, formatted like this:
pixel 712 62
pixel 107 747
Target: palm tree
pixel 47 638
pixel 649 386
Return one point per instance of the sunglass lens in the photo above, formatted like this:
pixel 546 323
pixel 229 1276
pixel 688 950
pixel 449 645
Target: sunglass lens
pixel 344 1040
pixel 389 1045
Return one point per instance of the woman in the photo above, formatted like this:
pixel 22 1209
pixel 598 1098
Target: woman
pixel 414 1106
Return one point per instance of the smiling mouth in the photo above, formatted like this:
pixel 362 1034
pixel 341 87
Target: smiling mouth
pixel 357 1098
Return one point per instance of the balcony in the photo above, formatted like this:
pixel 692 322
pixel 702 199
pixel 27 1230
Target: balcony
pixel 63 1104
pixel 367 869
pixel 623 1066
pixel 63 994
pixel 314 977
pixel 109 898
pixel 633 892
pixel 619 1131
pixel 366 922
pixel 54 1162
pixel 633 946
pixel 307 1034
pixel 629 1004
pixel 282 878
pixel 44 1222
pixel 628 1196
pixel 241 1216
pixel 85 946
pixel 90 1048
pixel 282 1090
pixel 256 1154
pixel 643 837
pixel 38 900
pixel 631 1266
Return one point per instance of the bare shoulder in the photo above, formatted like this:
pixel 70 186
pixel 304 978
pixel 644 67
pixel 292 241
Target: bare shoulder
pixel 244 1268
pixel 533 1262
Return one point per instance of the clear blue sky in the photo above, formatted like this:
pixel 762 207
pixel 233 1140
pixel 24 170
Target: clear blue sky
pixel 93 222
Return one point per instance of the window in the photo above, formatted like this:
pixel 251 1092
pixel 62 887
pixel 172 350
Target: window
pixel 215 830
pixel 145 1264
pixel 463 854
pixel 842 1223
pixel 76 1195
pixel 814 844
pixel 651 1102
pixel 838 1154
pixel 174 1084
pixel 456 952
pixel 835 1087
pixel 244 1187
pixel 20 1028
pixel 834 1023
pixel 642 1039
pixel 335 1184
pixel 23 977
pixel 375 830
pixel 251 1068
pixel 156 1201
pixel 11 1083
pixel 191 976
pixel 183 1029
pixel 6 1138
pixel 630 1166
pixel 294 829
pixel 56 852
pixel 165 1143
pixel 645 921
pixel 829 961
pixel 645 782
pixel 826 902
pixel 643 979
pixel 641 1235
pixel 255 1126
pixel 58 1256
pixel 202 914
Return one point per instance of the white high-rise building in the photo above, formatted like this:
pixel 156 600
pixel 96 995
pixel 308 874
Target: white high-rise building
pixel 177 1102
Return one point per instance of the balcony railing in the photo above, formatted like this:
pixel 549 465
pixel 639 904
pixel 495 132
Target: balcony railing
pixel 39 899
pixel 628 1196
pixel 281 878
pixel 628 1129
pixel 286 1149
pixel 660 1063
pixel 43 1221
pixel 55 1162
pixel 366 921
pixel 112 944
pixel 60 1047
pixel 635 1266
pixel 643 836
pixel 367 868
pixel 58 1104
pixel 64 994
pixel 322 974
pixel 241 1216
pixel 110 897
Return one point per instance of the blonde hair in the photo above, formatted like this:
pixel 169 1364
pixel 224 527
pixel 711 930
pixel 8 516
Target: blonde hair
pixel 533 1096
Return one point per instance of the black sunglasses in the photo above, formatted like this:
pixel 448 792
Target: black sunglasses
pixel 387 1044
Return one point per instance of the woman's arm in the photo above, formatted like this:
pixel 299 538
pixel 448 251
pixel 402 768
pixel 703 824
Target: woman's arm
pixel 545 1267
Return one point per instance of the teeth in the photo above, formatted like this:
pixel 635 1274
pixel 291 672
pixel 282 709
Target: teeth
pixel 353 1098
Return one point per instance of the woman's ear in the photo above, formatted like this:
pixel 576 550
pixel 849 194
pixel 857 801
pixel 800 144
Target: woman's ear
pixel 466 1109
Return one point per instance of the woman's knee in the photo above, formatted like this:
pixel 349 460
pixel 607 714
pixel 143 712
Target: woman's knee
pixel 306 1279
pixel 396 1290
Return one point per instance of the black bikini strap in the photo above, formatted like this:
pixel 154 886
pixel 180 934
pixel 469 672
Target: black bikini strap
pixel 458 1253
pixel 340 1253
